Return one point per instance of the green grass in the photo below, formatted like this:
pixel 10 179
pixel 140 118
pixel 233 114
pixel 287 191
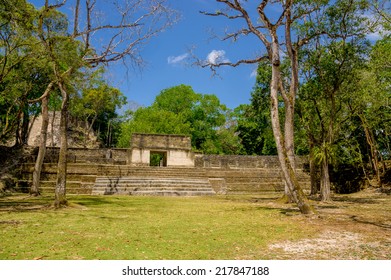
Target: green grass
pixel 219 227
pixel 141 228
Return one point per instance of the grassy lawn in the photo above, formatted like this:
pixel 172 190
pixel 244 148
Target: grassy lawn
pixel 220 227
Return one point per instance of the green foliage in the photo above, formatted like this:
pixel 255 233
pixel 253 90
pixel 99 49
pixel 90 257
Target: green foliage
pixel 25 70
pixel 380 60
pixel 152 120
pixel 96 104
pixel 343 103
pixel 178 100
pixel 179 110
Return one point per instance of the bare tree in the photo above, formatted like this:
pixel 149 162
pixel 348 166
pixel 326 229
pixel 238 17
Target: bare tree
pixel 275 32
pixel 105 34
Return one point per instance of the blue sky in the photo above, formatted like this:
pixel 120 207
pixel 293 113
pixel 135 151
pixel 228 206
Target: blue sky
pixel 168 60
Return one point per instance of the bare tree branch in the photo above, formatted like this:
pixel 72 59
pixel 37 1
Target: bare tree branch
pixel 213 66
pixel 45 94
pixel 136 23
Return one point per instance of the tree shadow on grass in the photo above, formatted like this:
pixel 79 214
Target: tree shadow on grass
pixel 290 211
pixel 362 220
pixel 115 201
pixel 29 203
pixel 23 204
pixel 358 200
pixel 92 201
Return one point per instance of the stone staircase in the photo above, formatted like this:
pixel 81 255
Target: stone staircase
pixel 104 179
pixel 161 181
pixel 152 186
pixel 252 180
pixel 94 173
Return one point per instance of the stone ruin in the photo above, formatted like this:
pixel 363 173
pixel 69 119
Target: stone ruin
pixel 175 150
pixel 179 172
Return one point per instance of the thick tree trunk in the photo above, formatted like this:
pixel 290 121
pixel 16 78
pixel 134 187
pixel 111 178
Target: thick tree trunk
pixel 325 185
pixel 295 191
pixel 371 141
pixel 289 143
pixel 60 191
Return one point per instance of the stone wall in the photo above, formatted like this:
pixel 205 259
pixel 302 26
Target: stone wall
pixel 248 174
pixel 176 149
pixel 242 162
pixel 76 132
pixel 99 156
pixel 160 141
pixel 226 174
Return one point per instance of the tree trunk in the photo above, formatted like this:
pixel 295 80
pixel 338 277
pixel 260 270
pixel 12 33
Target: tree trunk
pixel 21 130
pixel 52 128
pixel 60 191
pixel 371 141
pixel 295 191
pixel 25 128
pixel 289 142
pixel 34 190
pixel 314 185
pixel 42 148
pixel 325 182
pixel 325 185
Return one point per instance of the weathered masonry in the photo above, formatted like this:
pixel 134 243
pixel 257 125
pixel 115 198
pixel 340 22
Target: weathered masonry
pixel 178 170
pixel 172 150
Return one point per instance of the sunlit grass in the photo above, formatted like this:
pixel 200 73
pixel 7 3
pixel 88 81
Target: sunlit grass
pixel 191 228
pixel 142 228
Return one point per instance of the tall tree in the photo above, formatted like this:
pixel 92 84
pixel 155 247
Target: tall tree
pixel 24 73
pixel 275 32
pixel 128 26
pixel 330 67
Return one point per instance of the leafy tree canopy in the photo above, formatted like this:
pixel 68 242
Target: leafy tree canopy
pixel 180 110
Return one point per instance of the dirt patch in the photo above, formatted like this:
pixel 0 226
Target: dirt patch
pixel 355 226
pixel 339 243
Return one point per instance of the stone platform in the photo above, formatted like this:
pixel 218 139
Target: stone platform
pixel 108 171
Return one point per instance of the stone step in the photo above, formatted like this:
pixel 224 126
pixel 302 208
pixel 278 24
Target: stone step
pixel 131 189
pixel 138 180
pixel 48 187
pixel 53 177
pixel 259 187
pixel 173 193
pixel 102 169
pixel 152 186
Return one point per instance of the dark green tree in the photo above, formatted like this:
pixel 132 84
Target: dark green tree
pixel 96 104
pixel 180 110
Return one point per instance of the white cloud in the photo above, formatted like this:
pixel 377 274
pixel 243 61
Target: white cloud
pixel 254 73
pixel 177 59
pixel 378 34
pixel 216 56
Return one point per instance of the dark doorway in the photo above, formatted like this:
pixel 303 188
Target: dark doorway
pixel 158 158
